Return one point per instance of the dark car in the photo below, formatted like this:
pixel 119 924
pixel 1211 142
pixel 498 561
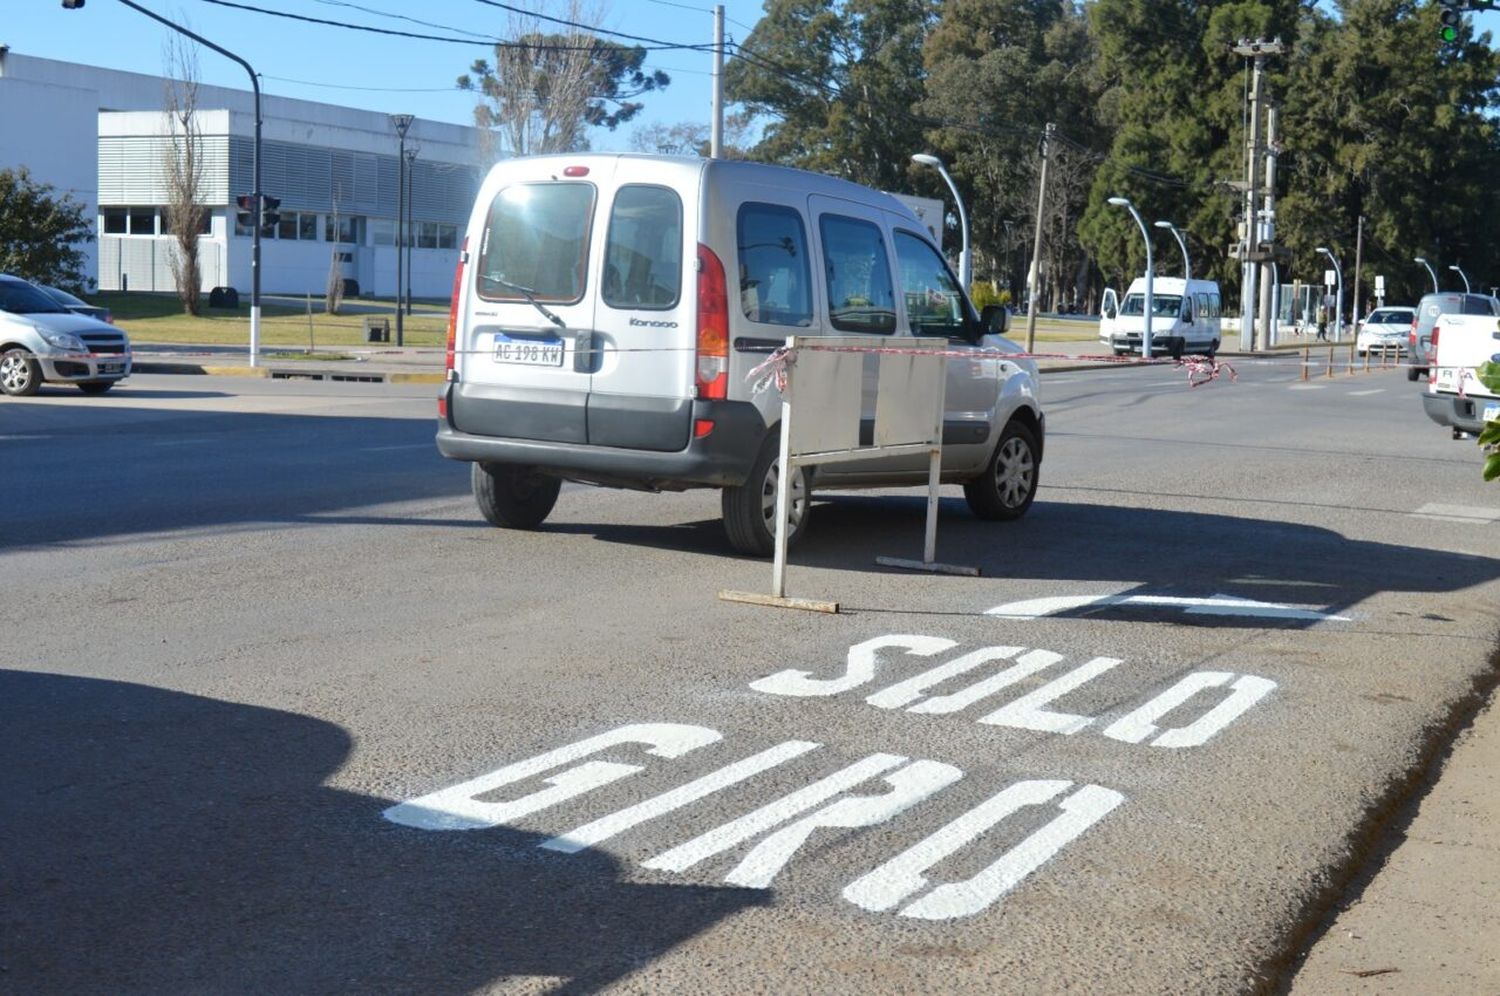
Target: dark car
pixel 1419 345
pixel 77 305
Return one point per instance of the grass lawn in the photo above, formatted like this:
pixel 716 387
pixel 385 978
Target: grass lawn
pixel 160 318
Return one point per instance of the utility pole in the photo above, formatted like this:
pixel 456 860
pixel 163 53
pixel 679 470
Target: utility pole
pixel 1269 313
pixel 1249 249
pixel 1359 248
pixel 1036 244
pixel 716 133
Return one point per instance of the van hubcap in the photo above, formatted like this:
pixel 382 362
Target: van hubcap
pixel 798 498
pixel 1014 472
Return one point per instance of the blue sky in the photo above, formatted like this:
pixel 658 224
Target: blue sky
pixel 359 69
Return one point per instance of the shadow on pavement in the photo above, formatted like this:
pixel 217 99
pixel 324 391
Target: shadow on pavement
pixel 161 842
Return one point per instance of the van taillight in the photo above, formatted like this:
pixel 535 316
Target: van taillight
pixel 458 286
pixel 711 377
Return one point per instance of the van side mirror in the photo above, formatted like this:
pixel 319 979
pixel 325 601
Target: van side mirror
pixel 994 319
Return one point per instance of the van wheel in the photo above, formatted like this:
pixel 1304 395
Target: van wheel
pixel 750 509
pixel 20 374
pixel 1213 349
pixel 95 386
pixel 513 497
pixel 1412 373
pixel 1006 488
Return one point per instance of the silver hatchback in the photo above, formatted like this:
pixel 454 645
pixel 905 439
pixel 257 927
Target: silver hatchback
pixel 40 341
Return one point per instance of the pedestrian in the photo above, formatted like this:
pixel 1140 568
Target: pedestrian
pixel 1323 323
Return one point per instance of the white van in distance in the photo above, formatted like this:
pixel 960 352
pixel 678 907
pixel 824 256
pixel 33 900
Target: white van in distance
pixel 1185 317
pixel 607 310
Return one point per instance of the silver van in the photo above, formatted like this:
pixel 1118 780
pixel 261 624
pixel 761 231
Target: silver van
pixel 1419 345
pixel 608 309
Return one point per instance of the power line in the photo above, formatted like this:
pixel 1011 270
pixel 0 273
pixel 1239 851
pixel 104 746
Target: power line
pixel 586 27
pixel 402 17
pixel 373 89
pixel 495 42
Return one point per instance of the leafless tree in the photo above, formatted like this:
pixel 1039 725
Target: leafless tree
pixel 184 169
pixel 333 292
pixel 692 138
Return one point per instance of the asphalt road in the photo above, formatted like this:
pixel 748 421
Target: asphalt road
pixel 280 713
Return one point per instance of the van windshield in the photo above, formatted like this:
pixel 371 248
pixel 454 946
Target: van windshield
pixel 537 238
pixel 1162 305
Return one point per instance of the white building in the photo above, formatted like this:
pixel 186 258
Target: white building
pixel 102 136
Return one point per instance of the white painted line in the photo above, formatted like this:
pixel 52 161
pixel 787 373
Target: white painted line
pixel 1217 605
pixel 1305 387
pixel 1374 390
pixel 21 438
pixel 616 823
pixel 1457 513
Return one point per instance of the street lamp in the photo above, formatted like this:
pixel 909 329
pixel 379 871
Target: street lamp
pixel 1461 273
pixel 411 227
pixel 1338 301
pixel 965 272
pixel 1181 244
pixel 1430 272
pixel 254 169
pixel 1146 335
pixel 401 122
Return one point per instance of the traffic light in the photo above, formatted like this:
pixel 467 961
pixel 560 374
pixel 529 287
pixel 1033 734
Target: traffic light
pixel 245 216
pixel 1450 16
pixel 269 215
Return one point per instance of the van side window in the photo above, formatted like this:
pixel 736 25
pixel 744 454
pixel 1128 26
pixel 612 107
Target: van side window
pixel 775 277
pixel 860 295
pixel 537 238
pixel 643 251
pixel 934 305
pixel 1214 306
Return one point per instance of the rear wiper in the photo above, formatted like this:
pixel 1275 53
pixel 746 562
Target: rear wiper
pixel 530 296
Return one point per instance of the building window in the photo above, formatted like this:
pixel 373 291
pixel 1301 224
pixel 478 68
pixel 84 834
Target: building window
pixel 447 237
pixel 426 235
pixel 307 227
pixel 205 223
pixel 382 231
pixel 350 229
pixel 114 221
pixel 142 221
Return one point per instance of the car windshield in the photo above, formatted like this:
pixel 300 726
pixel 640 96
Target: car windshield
pixel 1389 318
pixel 63 298
pixel 20 298
pixel 1162 305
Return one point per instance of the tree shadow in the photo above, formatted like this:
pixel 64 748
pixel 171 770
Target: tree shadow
pixel 161 842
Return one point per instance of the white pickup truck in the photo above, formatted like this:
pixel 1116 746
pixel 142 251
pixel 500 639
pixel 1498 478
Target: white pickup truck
pixel 1455 396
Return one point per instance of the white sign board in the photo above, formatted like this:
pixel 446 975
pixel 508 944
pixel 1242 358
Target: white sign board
pixel 1329 278
pixel 929 211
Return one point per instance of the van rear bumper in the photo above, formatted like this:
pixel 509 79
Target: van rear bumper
pixel 720 459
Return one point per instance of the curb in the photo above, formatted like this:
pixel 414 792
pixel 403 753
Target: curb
pixel 289 373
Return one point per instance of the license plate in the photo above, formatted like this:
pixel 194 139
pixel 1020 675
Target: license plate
pixel 533 352
pixel 111 368
pixel 1492 412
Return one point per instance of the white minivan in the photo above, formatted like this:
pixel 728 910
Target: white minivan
pixel 1184 317
pixel 607 310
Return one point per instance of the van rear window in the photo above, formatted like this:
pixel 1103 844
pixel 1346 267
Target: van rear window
pixel 536 242
pixel 643 253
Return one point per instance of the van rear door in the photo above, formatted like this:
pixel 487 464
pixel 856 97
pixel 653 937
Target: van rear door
pixel 641 385
pixel 529 309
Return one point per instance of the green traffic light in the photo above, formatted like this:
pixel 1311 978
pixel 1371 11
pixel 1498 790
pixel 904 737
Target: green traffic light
pixel 1449 33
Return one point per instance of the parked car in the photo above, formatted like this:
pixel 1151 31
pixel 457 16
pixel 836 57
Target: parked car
pixel 608 308
pixel 40 340
pixel 1385 330
pixel 76 304
pixel 1419 340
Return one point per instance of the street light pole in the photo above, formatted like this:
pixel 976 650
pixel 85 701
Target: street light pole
pixel 1187 272
pixel 401 122
pixel 1430 272
pixel 965 270
pixel 255 160
pixel 411 228
pixel 1338 301
pixel 1460 272
pixel 1146 335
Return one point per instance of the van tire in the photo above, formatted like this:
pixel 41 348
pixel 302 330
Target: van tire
pixel 750 509
pixel 1412 373
pixel 513 497
pixel 1008 485
pixel 95 386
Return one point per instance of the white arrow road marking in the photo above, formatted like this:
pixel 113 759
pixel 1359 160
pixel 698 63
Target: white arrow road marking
pixel 1217 605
